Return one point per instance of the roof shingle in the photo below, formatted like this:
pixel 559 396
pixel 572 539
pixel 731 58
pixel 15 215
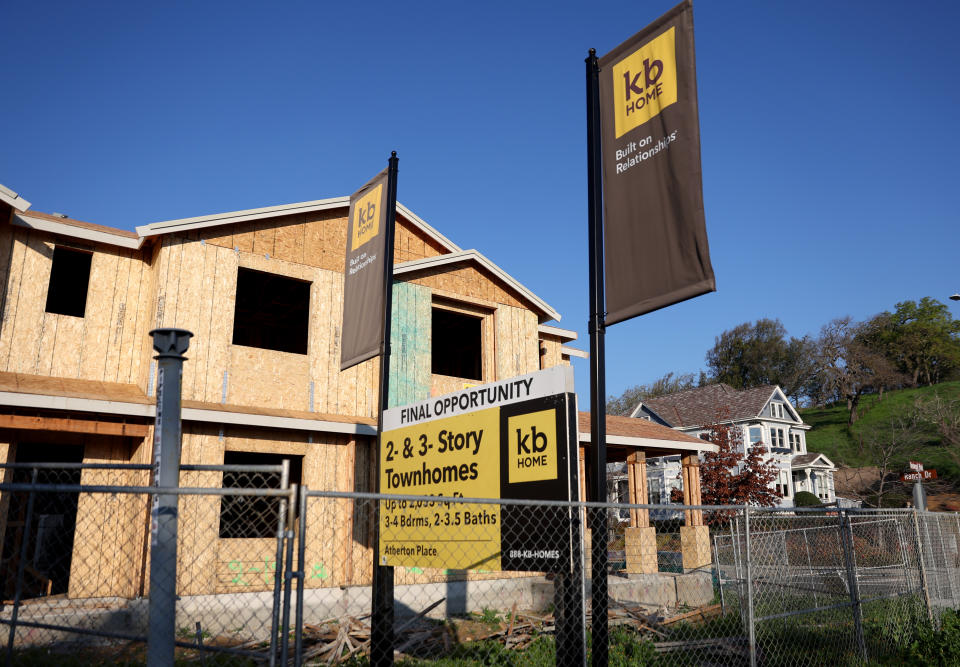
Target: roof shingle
pixel 701 406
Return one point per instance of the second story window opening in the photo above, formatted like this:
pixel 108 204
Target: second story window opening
pixel 457 341
pixel 272 313
pixel 776 410
pixel 69 279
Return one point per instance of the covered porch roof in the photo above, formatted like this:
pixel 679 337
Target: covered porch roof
pixel 626 435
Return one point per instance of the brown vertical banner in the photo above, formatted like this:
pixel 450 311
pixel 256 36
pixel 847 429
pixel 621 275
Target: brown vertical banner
pixel 655 236
pixel 361 336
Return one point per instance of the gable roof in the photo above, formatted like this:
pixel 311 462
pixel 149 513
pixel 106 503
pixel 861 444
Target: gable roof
pixel 231 217
pixel 698 407
pixel 810 459
pixel 475 257
pixel 87 231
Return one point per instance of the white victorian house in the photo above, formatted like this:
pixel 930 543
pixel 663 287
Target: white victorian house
pixel 765 416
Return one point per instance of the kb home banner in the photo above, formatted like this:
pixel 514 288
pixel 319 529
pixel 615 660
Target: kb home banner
pixel 362 334
pixel 655 237
pixel 514 439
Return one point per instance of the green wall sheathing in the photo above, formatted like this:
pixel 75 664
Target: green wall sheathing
pixel 410 344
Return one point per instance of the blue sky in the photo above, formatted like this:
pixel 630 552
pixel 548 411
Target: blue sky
pixel 829 138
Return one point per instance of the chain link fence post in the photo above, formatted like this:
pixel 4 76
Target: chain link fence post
pixel 170 344
pixel 847 546
pixel 301 579
pixel 751 629
pixel 288 575
pixel 277 584
pixel 918 545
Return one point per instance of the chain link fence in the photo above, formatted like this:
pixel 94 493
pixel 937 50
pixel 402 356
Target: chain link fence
pixel 75 561
pixel 271 574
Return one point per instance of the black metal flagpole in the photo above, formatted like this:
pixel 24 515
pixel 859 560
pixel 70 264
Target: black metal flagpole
pixel 381 629
pixel 598 402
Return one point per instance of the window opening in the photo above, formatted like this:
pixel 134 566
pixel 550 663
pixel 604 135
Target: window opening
pixel 457 341
pixel 272 312
pixel 254 516
pixel 69 279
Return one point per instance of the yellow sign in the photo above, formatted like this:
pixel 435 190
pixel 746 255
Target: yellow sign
pixel 366 218
pixel 532 446
pixel 645 83
pixel 455 457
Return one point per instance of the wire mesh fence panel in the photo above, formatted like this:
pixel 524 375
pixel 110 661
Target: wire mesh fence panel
pixel 475 581
pixel 76 562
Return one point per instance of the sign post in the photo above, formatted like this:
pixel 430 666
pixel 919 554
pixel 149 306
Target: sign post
pixel 646 227
pixel 367 306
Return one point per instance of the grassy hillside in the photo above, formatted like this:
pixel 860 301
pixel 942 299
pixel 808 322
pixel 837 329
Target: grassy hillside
pixel 830 434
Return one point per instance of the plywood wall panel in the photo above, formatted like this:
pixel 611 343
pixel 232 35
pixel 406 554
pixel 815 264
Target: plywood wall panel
pixel 30 308
pixel 289 240
pixel 191 293
pixel 221 323
pixel 118 315
pixel 48 339
pixel 11 299
pixel 66 350
pixel 265 234
pixel 90 349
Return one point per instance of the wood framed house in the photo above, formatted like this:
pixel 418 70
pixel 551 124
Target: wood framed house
pixel 764 414
pixel 261 290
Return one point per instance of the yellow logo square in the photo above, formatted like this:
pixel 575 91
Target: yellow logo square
pixel 366 218
pixel 532 446
pixel 645 83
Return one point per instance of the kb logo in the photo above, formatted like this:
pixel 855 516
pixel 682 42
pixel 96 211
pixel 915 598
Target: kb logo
pixel 366 218
pixel 644 83
pixel 532 446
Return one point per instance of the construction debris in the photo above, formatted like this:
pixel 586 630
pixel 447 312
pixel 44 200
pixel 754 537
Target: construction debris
pixel 336 640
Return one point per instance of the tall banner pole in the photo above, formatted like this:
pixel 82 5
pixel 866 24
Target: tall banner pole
pixel 381 631
pixel 598 402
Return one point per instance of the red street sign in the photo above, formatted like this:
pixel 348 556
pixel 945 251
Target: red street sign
pixel 918 476
pixel 916 465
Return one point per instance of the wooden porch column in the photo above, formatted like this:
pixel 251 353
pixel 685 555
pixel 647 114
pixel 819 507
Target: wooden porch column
pixel 691 489
pixel 640 539
pixel 694 536
pixel 637 487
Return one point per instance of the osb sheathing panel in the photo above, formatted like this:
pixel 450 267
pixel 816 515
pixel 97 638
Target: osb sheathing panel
pixel 210 564
pixel 109 541
pixel 197 291
pixel 551 355
pixel 468 281
pixel 92 347
pixel 316 239
pixel 517 351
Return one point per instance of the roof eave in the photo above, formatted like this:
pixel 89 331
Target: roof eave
pixel 12 199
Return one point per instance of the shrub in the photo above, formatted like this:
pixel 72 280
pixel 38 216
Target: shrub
pixel 937 648
pixel 806 499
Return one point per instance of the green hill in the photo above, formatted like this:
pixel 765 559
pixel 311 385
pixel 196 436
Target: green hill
pixel 830 434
